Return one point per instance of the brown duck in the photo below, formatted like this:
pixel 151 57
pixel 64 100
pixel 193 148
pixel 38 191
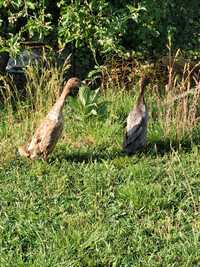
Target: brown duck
pixel 47 134
pixel 136 127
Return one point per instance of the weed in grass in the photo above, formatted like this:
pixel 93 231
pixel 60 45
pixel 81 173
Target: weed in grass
pixel 88 104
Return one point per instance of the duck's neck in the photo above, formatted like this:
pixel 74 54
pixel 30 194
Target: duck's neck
pixel 141 100
pixel 58 106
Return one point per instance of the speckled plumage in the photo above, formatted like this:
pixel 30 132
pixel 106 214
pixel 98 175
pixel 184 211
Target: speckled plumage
pixel 136 129
pixel 47 134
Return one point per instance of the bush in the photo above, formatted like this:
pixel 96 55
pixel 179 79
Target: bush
pixel 101 27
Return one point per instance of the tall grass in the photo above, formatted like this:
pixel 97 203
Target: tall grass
pixel 173 95
pixel 24 107
pixel 177 105
pixel 173 108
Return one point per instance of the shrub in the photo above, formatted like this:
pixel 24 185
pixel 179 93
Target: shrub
pixel 88 104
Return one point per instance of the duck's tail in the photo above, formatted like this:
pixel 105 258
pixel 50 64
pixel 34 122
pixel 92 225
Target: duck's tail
pixel 23 151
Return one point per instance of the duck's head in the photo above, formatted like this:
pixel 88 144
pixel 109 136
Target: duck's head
pixel 73 83
pixel 145 80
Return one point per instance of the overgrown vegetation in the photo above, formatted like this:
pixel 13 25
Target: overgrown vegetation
pixel 90 205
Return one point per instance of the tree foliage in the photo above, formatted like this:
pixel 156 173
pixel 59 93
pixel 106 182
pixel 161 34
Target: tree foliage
pixel 103 27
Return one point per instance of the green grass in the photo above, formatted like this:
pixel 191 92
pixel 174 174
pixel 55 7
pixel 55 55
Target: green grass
pixel 90 205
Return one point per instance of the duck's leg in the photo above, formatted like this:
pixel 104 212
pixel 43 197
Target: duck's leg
pixel 45 156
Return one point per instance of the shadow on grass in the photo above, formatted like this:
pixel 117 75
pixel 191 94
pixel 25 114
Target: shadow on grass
pixel 91 155
pixel 163 147
pixel 99 153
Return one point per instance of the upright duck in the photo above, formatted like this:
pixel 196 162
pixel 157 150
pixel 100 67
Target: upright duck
pixel 136 128
pixel 47 134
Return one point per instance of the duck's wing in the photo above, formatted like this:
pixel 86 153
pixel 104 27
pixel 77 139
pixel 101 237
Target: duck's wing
pixel 132 134
pixel 38 136
pixel 136 123
pixel 50 136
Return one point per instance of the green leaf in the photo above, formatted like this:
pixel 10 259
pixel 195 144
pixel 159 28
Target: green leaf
pixel 31 5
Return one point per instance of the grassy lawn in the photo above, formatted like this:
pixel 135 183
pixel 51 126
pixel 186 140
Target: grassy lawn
pixel 90 205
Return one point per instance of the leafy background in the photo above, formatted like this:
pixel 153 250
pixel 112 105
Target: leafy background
pixel 102 28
